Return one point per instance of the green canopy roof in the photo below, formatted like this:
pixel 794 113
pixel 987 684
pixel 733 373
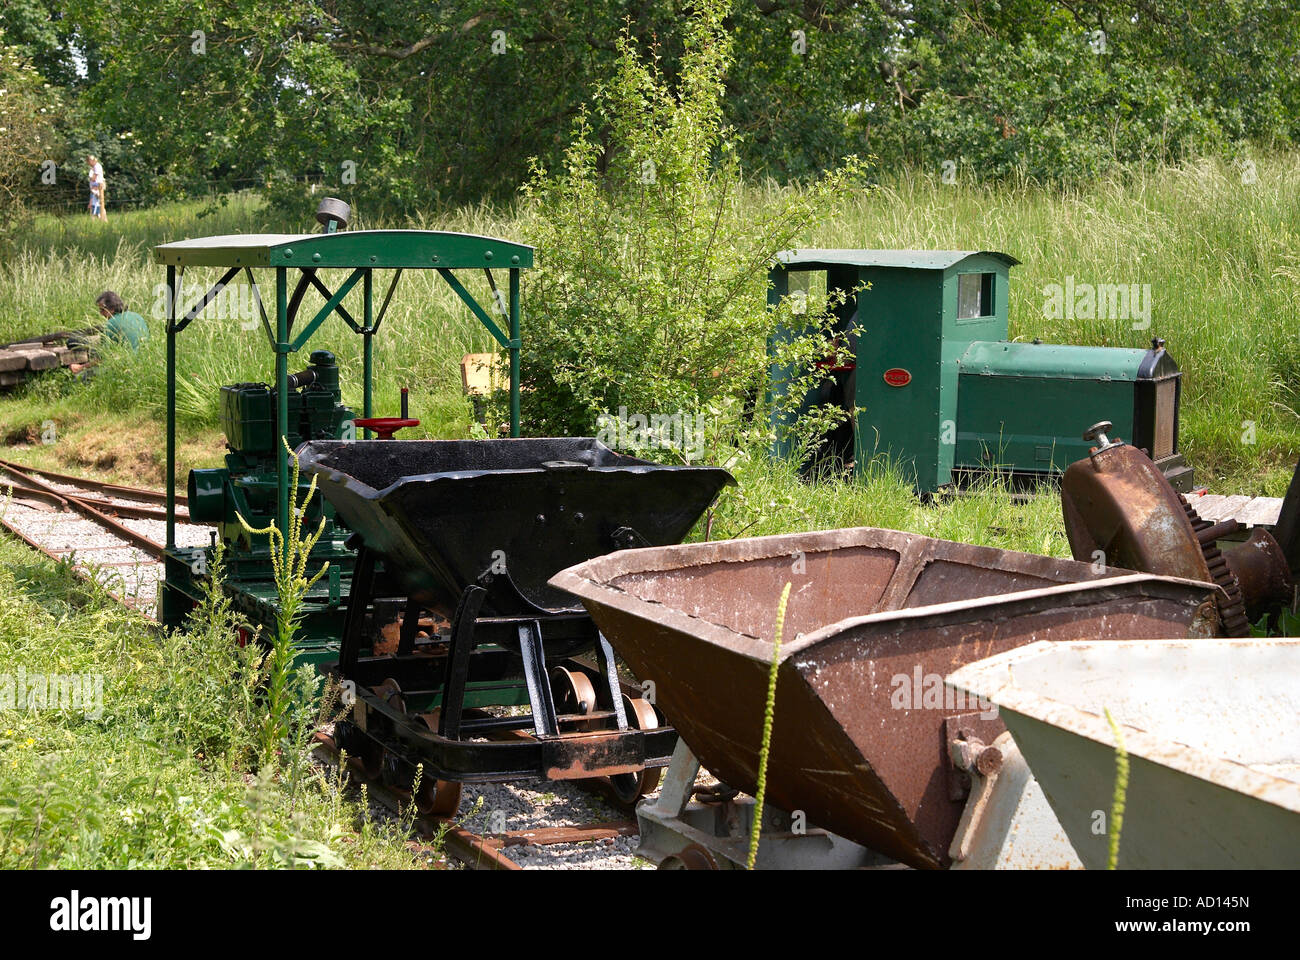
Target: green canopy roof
pixel 911 259
pixel 405 249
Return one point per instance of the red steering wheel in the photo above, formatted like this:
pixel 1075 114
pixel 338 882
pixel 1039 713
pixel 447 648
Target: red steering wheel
pixel 385 426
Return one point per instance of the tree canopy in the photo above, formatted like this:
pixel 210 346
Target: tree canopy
pixel 405 105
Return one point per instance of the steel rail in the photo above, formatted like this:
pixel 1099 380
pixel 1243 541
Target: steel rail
pixel 131 493
pixel 90 512
pixel 24 492
pixel 61 558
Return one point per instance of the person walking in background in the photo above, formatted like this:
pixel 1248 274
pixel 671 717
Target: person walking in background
pixel 98 189
pixel 93 203
pixel 124 326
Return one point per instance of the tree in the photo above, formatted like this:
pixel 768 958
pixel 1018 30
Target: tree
pixel 1063 90
pixel 27 139
pixel 409 105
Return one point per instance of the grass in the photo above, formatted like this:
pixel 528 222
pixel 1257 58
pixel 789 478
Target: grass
pixel 162 778
pixel 770 498
pixel 160 775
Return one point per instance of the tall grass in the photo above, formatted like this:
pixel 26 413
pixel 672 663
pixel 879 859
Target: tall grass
pixel 156 774
pixel 53 281
pixel 1222 258
pixel 770 498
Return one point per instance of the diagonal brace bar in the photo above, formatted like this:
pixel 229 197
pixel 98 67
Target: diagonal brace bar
pixel 330 305
pixel 342 311
pixel 383 308
pixel 208 297
pixel 474 307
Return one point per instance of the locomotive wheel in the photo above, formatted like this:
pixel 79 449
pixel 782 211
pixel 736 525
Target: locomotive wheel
pixel 631 787
pixel 694 857
pixel 573 693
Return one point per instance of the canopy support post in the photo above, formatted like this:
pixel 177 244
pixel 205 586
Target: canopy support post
pixel 514 351
pixel 282 348
pixel 172 295
pixel 368 344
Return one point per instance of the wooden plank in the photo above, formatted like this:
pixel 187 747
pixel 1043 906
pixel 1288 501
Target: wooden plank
pixel 1249 511
pixel 70 355
pixel 38 359
pixel 12 377
pixel 1224 508
pixel 1206 504
pixel 11 361
pixel 1262 511
pixel 545 836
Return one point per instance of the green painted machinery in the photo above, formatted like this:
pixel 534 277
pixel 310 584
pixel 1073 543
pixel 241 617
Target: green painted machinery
pixel 248 485
pixel 435 616
pixel 257 418
pixel 940 389
pixel 248 488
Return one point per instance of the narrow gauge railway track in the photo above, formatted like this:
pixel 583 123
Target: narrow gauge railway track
pixel 485 851
pixel 111 534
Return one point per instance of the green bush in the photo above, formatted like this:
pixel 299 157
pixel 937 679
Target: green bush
pixel 650 294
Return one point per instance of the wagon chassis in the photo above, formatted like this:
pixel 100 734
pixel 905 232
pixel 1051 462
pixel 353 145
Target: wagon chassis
pixel 516 755
pixel 598 737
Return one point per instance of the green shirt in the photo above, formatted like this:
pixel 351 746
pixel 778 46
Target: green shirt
pixel 127 327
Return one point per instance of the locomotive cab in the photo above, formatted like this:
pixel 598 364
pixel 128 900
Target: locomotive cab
pixel 932 381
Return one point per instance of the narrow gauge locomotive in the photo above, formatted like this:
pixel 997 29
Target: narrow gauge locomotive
pixel 434 608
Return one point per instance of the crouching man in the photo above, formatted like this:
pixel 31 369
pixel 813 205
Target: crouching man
pixel 124 326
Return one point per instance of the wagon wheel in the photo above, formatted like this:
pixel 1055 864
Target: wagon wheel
pixel 359 747
pixel 694 857
pixel 345 737
pixel 631 787
pixel 573 693
pixel 391 693
pixel 437 798
pixel 393 773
